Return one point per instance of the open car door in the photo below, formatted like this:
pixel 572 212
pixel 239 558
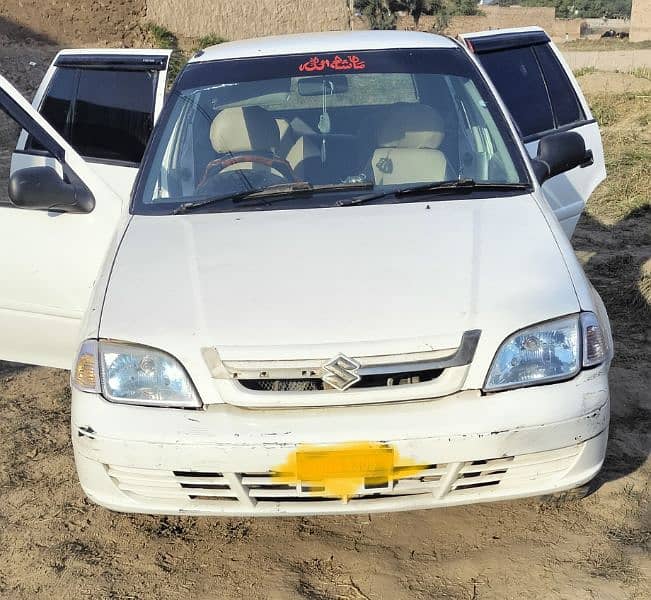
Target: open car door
pixel 51 249
pixel 543 98
pixel 104 103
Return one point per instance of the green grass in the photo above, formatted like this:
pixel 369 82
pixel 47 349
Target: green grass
pixel 212 39
pixel 605 44
pixel 584 71
pixel 624 120
pixel 641 72
pixel 161 37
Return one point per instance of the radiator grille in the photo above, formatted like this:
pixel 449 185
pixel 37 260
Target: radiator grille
pixel 315 385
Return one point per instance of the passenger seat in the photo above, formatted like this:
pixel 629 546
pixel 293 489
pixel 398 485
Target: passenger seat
pixel 408 143
pixel 287 137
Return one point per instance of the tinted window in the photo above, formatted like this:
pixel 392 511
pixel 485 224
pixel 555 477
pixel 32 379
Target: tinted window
pixel 104 114
pixel 113 114
pixel 57 102
pixel 564 101
pixel 518 78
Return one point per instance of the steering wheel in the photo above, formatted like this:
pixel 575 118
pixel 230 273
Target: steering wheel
pixel 215 167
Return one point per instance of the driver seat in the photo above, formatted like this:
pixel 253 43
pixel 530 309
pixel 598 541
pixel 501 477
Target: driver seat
pixel 246 132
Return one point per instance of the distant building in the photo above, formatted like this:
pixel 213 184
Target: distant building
pixel 640 21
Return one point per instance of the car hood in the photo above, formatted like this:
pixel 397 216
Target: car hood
pixel 363 280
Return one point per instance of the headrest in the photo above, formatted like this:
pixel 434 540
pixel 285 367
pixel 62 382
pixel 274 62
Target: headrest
pixel 241 129
pixel 411 126
pixel 283 126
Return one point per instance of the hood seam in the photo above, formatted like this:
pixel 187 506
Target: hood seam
pixel 110 274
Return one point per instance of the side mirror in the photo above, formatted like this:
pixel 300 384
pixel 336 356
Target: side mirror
pixel 560 152
pixel 41 188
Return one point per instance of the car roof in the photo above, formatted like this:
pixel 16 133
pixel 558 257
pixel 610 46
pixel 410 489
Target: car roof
pixel 334 41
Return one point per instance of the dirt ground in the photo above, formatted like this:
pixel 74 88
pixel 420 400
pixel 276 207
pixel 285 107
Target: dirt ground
pixel 609 60
pixel 600 82
pixel 55 544
pixel 87 22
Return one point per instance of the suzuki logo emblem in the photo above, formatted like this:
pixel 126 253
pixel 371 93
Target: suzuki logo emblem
pixel 341 372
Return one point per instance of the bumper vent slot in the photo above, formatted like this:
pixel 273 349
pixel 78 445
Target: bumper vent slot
pixel 243 491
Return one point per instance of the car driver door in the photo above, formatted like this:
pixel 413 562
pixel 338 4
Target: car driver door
pixel 52 246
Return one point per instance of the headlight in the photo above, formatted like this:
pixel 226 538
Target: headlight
pixel 547 352
pixel 129 374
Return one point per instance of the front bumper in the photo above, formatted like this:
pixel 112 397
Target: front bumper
pixel 218 461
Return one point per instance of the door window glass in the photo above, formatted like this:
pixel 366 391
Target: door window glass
pixel 56 103
pixel 113 115
pixel 564 101
pixel 104 114
pixel 517 76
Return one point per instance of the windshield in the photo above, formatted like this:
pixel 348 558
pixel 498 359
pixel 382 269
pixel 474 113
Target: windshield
pixel 380 120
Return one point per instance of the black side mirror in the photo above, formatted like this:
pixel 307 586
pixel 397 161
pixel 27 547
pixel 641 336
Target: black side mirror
pixel 560 152
pixel 41 188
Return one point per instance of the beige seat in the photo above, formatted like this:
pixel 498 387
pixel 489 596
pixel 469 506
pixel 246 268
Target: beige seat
pixel 245 132
pixel 304 157
pixel 287 137
pixel 408 143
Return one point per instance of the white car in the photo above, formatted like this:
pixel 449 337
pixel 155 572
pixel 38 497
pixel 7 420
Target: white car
pixel 343 280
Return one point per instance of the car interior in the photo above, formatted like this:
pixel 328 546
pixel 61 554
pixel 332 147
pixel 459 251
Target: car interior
pixel 328 133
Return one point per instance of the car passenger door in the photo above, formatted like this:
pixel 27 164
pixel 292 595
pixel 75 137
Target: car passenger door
pixel 104 103
pixel 49 258
pixel 543 98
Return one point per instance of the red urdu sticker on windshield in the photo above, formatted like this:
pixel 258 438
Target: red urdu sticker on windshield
pixel 349 63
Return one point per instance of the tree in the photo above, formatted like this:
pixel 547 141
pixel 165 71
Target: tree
pixel 465 7
pixel 414 7
pixel 441 11
pixel 377 12
pixel 579 8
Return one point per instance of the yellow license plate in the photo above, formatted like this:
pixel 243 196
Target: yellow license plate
pixel 343 470
pixel 363 462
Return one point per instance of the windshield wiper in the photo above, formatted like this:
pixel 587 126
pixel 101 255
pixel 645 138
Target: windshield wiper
pixel 243 195
pixel 435 187
pixel 283 190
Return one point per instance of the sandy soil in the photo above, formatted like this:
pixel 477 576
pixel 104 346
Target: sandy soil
pixel 609 60
pixel 72 22
pixel 603 82
pixel 55 544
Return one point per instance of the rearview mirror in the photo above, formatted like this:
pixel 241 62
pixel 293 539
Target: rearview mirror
pixel 41 188
pixel 560 152
pixel 315 86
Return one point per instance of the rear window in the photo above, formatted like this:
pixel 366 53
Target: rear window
pixel 106 115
